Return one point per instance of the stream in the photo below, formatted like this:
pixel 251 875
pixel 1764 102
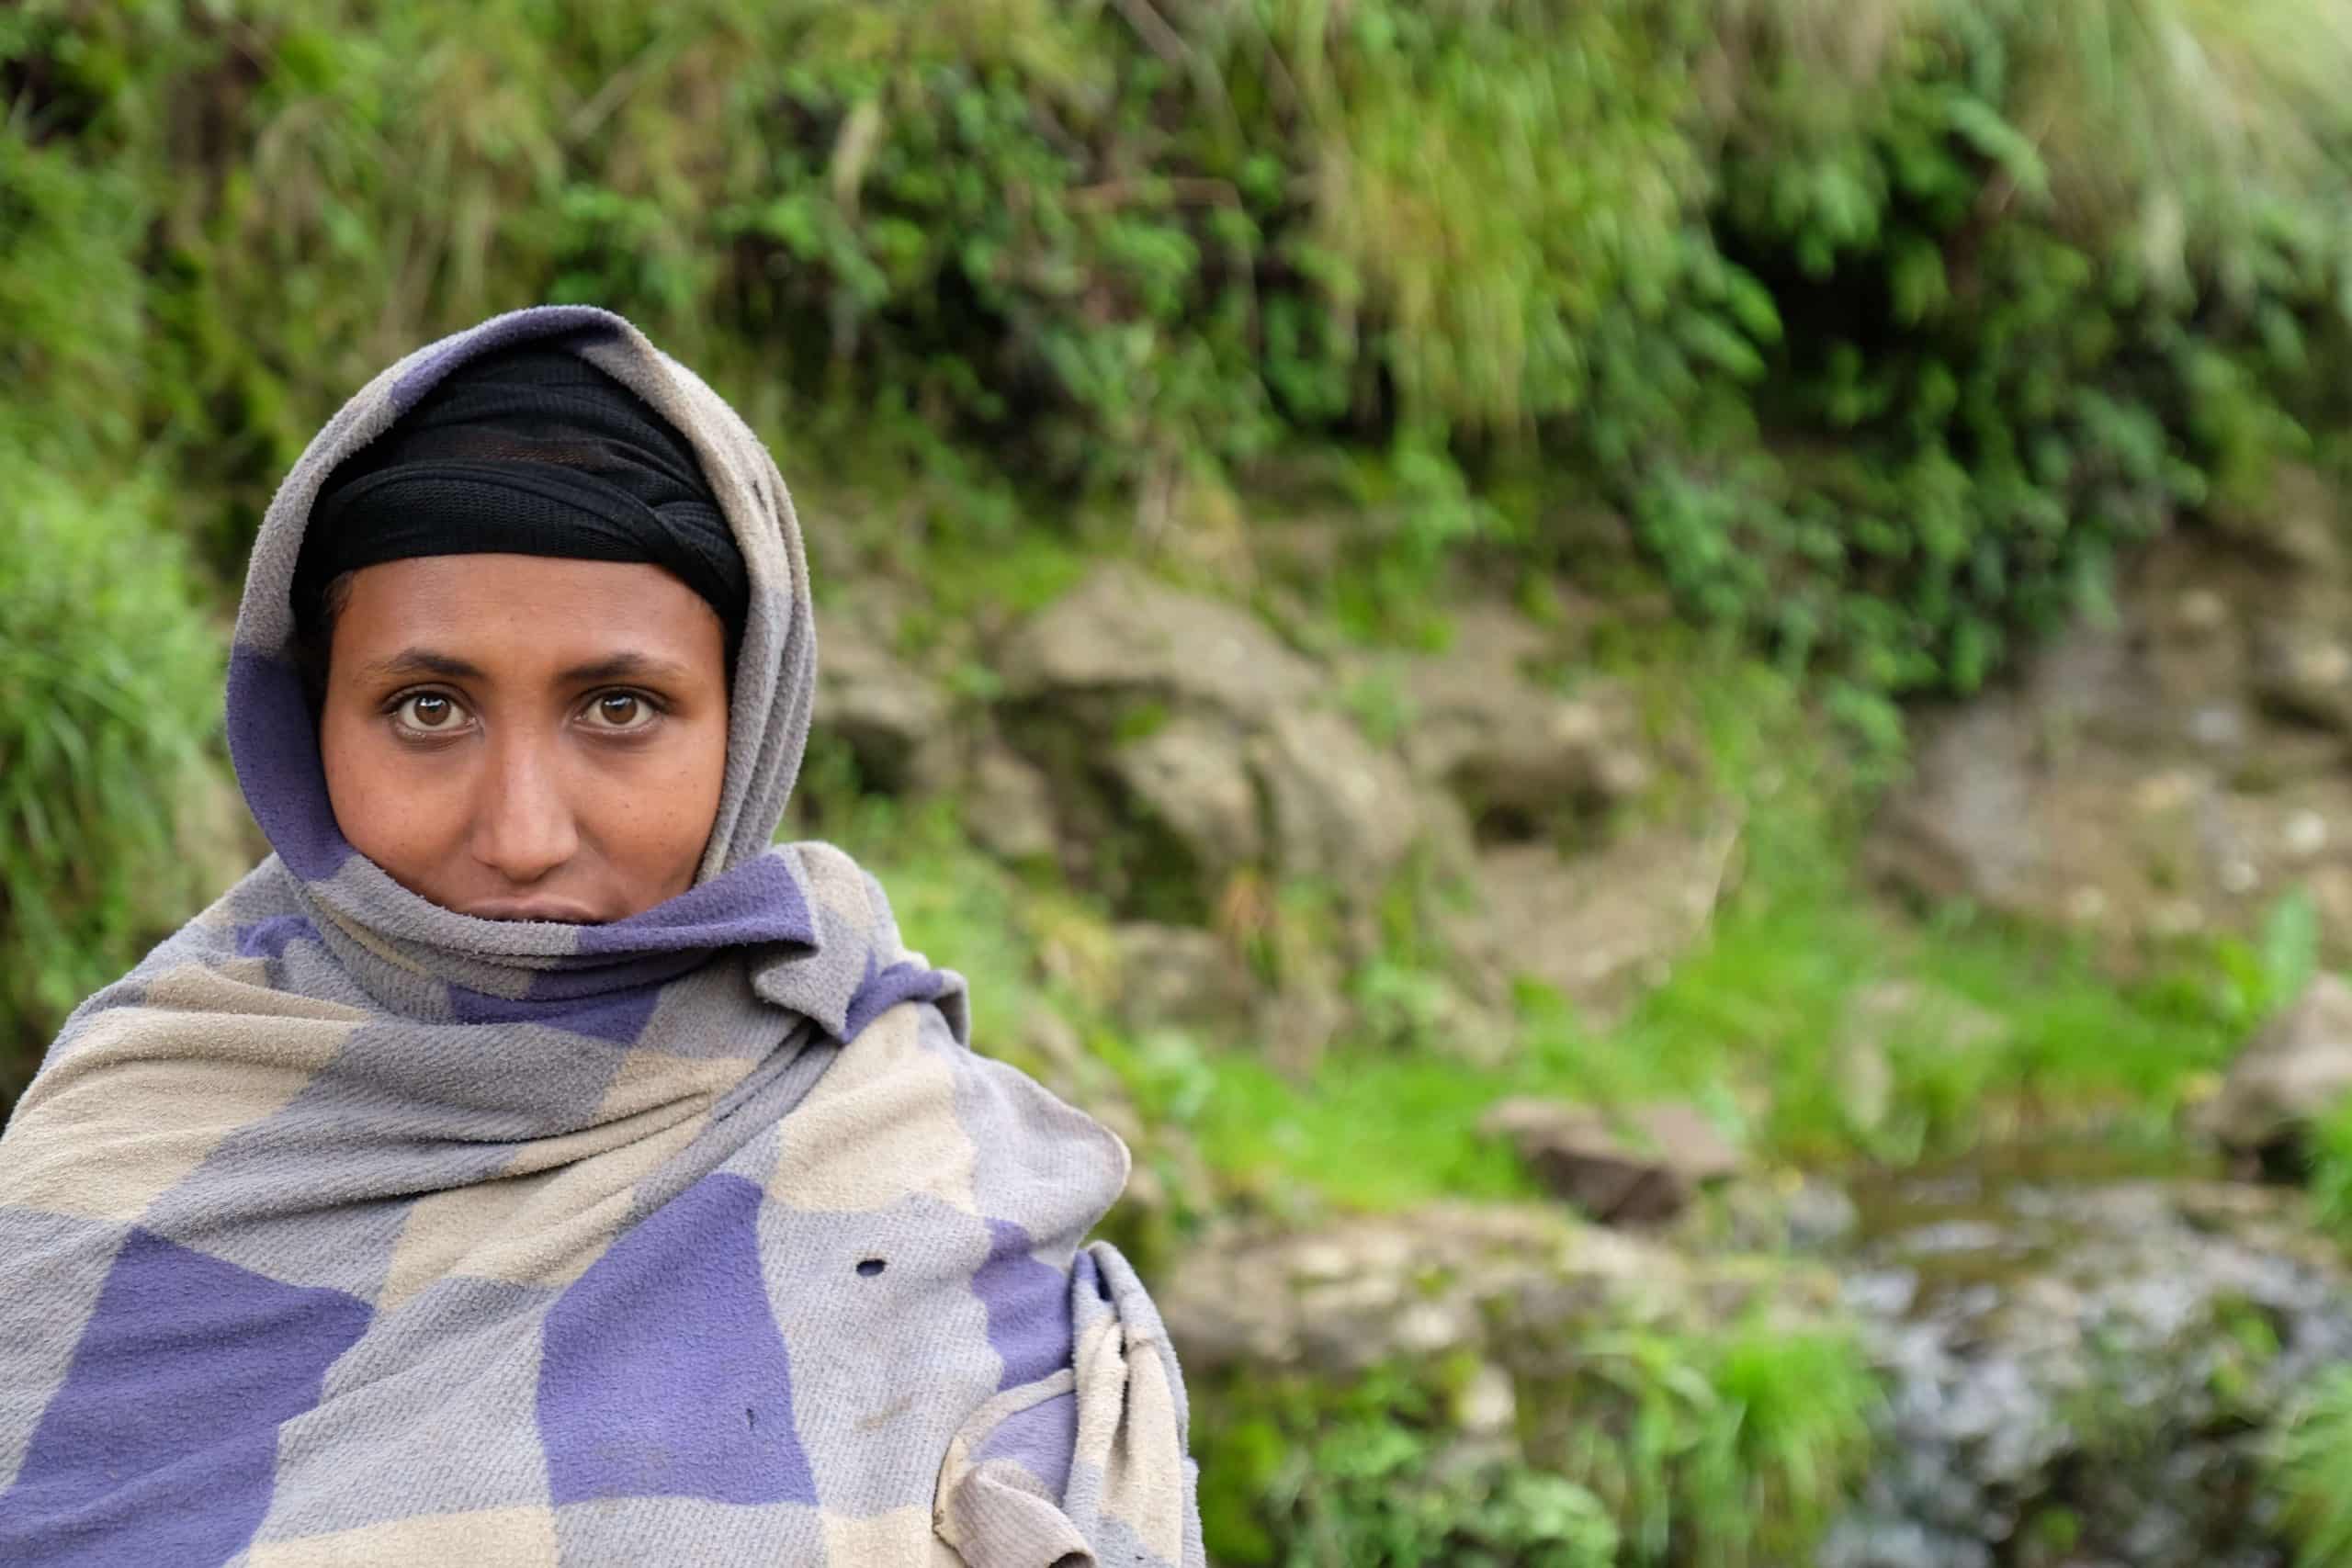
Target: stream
pixel 2082 1356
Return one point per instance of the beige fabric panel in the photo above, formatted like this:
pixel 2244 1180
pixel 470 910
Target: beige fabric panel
pixel 144 1093
pixel 504 1538
pixel 879 1127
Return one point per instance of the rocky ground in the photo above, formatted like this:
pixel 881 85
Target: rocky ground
pixel 2079 1356
pixel 2166 770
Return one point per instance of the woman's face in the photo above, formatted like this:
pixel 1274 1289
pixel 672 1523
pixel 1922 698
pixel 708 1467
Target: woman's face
pixel 523 737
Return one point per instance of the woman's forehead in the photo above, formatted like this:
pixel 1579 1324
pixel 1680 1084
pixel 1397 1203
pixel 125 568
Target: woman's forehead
pixel 526 613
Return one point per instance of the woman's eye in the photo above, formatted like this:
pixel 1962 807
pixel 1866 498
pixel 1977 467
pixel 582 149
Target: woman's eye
pixel 429 711
pixel 621 710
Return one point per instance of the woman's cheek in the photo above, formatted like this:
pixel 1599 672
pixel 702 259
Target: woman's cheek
pixel 672 807
pixel 393 805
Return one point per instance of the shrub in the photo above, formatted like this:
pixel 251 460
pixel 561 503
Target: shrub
pixel 2040 277
pixel 2311 1472
pixel 1723 1449
pixel 1359 1477
pixel 109 685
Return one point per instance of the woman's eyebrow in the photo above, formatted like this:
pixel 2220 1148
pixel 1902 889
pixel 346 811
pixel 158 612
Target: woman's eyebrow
pixel 419 661
pixel 628 665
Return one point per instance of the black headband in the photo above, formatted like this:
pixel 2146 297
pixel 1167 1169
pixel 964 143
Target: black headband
pixel 526 451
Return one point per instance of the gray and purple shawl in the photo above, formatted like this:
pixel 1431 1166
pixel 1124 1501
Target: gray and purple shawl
pixel 350 1230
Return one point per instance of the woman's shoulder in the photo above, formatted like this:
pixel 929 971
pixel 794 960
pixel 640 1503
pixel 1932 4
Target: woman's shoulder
pixel 218 961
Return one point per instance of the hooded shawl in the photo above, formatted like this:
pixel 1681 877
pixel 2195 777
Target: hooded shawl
pixel 347 1229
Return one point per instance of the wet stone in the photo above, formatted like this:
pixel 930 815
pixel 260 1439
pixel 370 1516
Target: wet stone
pixel 2056 1344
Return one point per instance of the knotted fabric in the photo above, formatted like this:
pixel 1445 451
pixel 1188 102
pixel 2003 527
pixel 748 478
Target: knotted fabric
pixel 527 450
pixel 349 1230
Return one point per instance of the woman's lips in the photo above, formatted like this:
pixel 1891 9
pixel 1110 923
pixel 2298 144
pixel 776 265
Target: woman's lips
pixel 535 909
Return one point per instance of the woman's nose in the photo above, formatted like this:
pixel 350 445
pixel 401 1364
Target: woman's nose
pixel 523 827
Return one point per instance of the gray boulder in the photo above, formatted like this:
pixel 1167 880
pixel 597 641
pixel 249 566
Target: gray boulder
pixel 2173 769
pixel 2294 1072
pixel 1640 1166
pixel 1122 632
pixel 1009 804
pixel 1179 974
pixel 1192 775
pixel 1596 928
pixel 895 721
pixel 1364 1292
pixel 2303 671
pixel 1506 745
pixel 1189 713
pixel 1341 812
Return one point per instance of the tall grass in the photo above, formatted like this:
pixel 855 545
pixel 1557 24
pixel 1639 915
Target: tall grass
pixel 2309 1476
pixel 114 822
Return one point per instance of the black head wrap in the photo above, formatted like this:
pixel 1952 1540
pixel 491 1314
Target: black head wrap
pixel 525 451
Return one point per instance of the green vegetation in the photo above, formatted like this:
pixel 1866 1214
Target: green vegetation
pixel 109 676
pixel 2311 1472
pixel 1721 1452
pixel 1656 1448
pixel 1309 1477
pixel 1887 325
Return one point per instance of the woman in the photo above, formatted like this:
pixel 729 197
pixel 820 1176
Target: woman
pixel 528 1164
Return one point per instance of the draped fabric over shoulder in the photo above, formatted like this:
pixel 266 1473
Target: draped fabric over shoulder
pixel 350 1230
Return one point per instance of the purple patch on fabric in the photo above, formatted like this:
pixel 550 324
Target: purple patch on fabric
pixel 885 988
pixel 618 1016
pixel 1028 1308
pixel 757 903
pixel 516 326
pixel 649 970
pixel 1041 1440
pixel 267 939
pixel 663 1374
pixel 160 1445
pixel 275 750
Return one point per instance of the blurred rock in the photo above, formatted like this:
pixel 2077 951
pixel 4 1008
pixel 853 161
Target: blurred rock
pixel 1774 1211
pixel 1180 714
pixel 2295 1071
pixel 1819 1215
pixel 1191 774
pixel 1507 748
pixel 1008 805
pixel 1179 974
pixel 1486 1405
pixel 1638 1168
pixel 2303 671
pixel 2115 1352
pixel 1120 630
pixel 2173 772
pixel 1351 1295
pixel 1598 928
pixel 1341 812
pixel 894 721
